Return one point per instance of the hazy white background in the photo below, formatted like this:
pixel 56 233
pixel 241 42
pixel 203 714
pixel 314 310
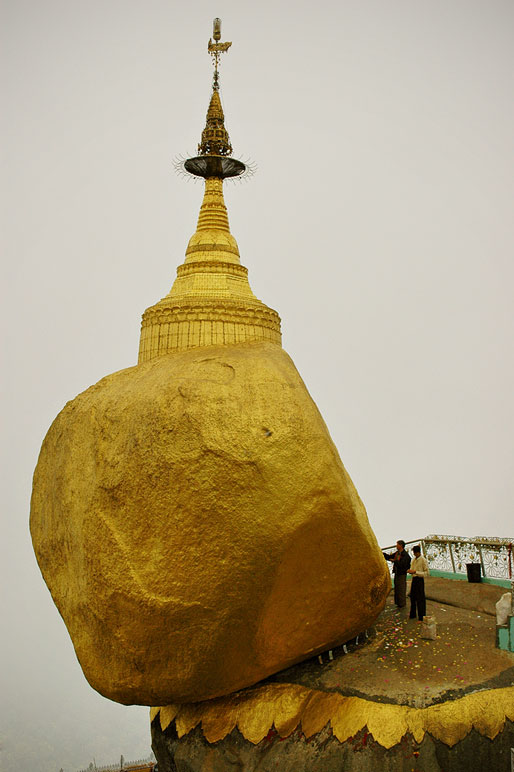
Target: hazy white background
pixel 379 226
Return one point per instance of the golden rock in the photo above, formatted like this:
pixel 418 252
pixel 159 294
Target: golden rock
pixel 197 529
pixel 190 515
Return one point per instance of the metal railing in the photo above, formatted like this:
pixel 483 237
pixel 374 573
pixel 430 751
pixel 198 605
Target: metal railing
pixel 143 764
pixel 452 553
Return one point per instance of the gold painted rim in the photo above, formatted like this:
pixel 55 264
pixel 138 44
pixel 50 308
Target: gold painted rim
pixel 285 706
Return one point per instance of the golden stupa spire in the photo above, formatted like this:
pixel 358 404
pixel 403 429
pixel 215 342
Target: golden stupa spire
pixel 210 302
pixel 215 139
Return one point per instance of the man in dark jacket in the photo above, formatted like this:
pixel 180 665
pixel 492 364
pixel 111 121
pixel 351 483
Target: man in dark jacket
pixel 401 564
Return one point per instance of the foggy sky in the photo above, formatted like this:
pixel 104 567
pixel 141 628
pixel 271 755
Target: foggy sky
pixel 379 226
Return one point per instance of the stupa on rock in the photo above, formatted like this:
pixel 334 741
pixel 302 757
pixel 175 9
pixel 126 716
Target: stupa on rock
pixel 211 302
pixel 191 515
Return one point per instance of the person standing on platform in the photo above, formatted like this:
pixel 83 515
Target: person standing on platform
pixel 419 569
pixel 401 564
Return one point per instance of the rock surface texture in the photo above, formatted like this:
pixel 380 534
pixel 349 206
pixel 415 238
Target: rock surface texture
pixel 197 529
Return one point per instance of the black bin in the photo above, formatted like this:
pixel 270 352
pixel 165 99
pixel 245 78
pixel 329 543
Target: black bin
pixel 474 572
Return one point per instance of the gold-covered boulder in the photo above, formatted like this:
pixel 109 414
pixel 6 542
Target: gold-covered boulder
pixel 197 529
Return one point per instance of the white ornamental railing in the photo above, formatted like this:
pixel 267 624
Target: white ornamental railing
pixel 452 553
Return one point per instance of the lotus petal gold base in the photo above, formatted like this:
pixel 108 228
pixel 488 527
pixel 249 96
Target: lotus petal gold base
pixel 287 706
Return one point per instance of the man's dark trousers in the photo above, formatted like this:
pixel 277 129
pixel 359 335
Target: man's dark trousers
pixel 417 598
pixel 400 590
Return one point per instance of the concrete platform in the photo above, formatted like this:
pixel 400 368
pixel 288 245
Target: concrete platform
pixel 391 701
pixel 396 665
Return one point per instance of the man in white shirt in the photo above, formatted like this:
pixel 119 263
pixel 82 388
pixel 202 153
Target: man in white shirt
pixel 418 569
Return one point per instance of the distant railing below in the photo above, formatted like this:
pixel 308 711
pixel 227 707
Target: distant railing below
pixel 452 553
pixel 126 766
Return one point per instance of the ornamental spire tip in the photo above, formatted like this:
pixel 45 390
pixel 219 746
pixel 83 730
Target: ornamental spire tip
pixel 215 49
pixel 214 149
